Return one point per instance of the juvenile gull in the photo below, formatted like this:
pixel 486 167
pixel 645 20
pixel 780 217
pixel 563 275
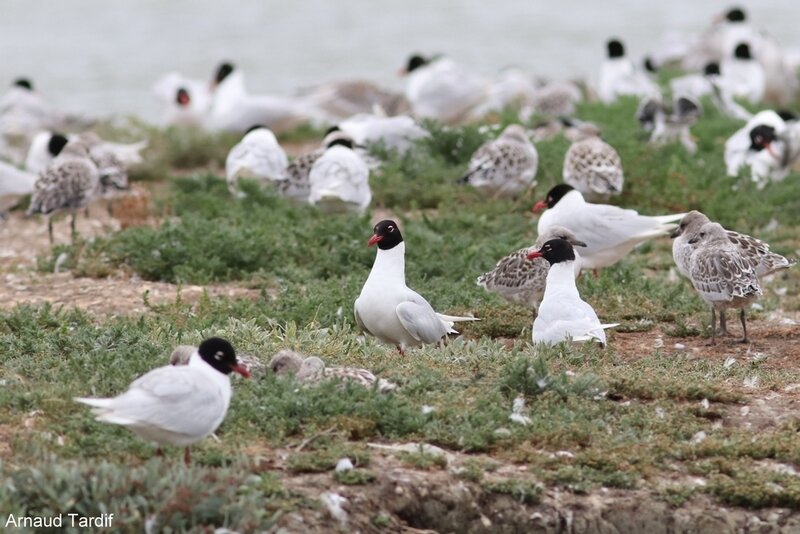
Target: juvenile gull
pixel 609 232
pixel 176 405
pixel 312 370
pixel 563 315
pixel 721 275
pixel 754 252
pixel 505 166
pixel 69 183
pixel 591 165
pixel 522 281
pixel 387 308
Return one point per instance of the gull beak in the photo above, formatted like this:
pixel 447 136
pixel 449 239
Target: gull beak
pixel 771 151
pixel 539 206
pixel 576 243
pixel 535 254
pixel 241 369
pixel 374 240
pixel 402 72
pixel 675 233
pixel 694 240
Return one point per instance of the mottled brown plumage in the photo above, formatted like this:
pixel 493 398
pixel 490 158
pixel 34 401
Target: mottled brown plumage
pixel 594 168
pixel 69 183
pixel 312 371
pixel 296 186
pixel 522 281
pixel 505 166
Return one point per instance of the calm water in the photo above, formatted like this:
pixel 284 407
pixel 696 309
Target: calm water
pixel 102 56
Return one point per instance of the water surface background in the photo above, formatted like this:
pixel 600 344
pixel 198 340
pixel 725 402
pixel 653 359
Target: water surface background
pixel 102 56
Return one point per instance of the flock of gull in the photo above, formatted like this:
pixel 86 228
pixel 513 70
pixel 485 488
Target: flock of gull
pixel 729 62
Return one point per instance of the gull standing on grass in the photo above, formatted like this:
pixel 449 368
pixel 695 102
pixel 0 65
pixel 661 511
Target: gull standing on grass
pixel 669 124
pixel 522 281
pixel 506 166
pixel 591 165
pixel 258 155
pixel 609 232
pixel 176 404
pixel 721 275
pixel 563 315
pixel 69 183
pixel 387 308
pixel 754 252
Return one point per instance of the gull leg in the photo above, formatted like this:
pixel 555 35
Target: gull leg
pixel 745 339
pixel 187 456
pixel 72 227
pixel 400 350
pixel 86 212
pixel 159 452
pixel 110 208
pixel 723 324
pixel 713 327
pixel 50 229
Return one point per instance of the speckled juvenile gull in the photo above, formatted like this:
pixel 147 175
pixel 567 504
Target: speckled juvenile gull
pixel 312 370
pixel 505 166
pixel 69 183
pixel 591 165
pixel 720 274
pixel 522 281
pixel 754 251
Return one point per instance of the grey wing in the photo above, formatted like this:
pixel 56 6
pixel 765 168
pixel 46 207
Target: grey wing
pixel 419 319
pixel 172 398
pixel 722 276
pixel 757 254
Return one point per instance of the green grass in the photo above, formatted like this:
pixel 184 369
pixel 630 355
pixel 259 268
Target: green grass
pixel 618 418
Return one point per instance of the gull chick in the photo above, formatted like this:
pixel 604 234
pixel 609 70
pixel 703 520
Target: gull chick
pixel 69 183
pixel 721 275
pixel 609 232
pixel 312 370
pixel 563 315
pixel 522 281
pixel 506 166
pixel 176 405
pixel 591 165
pixel 387 308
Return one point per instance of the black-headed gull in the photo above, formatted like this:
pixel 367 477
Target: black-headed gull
pixel 312 370
pixel 522 281
pixel 339 179
pixel 768 144
pixel 506 166
pixel 234 109
pixel 609 232
pixel 69 183
pixel 743 75
pixel 258 155
pixel 441 89
pixel 619 76
pixel 387 308
pixel 176 404
pixel 591 165
pixel 721 275
pixel 563 315
pixel 187 100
